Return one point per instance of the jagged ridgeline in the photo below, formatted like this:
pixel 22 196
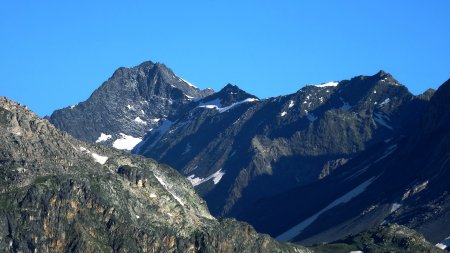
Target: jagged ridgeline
pixel 329 161
pixel 59 194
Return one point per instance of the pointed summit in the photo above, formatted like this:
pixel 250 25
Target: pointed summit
pixel 381 73
pixel 129 103
pixel 230 94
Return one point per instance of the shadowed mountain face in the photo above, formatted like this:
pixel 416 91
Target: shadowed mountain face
pixel 59 194
pixel 330 160
pixel 124 108
pixel 403 180
pixel 236 149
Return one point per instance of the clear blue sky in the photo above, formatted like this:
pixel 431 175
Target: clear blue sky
pixel 55 53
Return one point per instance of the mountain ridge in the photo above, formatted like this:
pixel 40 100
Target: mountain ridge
pixel 240 152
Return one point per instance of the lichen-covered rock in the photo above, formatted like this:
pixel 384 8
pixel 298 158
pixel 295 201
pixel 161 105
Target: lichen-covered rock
pixel 58 194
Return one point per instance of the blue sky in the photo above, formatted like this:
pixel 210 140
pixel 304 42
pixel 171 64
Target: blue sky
pixel 56 53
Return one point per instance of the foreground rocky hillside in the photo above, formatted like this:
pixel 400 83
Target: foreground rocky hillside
pixel 58 194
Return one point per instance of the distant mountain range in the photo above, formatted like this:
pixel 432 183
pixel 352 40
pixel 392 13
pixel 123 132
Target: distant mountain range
pixel 329 161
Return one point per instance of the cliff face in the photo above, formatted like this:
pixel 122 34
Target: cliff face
pixel 60 194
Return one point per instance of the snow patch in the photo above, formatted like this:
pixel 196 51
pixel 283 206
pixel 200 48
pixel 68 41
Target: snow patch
pixel 291 104
pixel 140 121
pixel 329 84
pixel 297 229
pixel 161 181
pixel 385 102
pixel 216 177
pixel 389 151
pixel 73 106
pixel 395 206
pixel 98 158
pixel 130 107
pixel 444 244
pixel 187 149
pixel 162 129
pixel 103 137
pixel 382 119
pixel 217 104
pixel 283 114
pixel 126 142
pixel 311 117
pixel 188 83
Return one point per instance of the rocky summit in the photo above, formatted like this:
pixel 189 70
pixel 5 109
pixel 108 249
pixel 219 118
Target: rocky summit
pixel 128 105
pixel 59 194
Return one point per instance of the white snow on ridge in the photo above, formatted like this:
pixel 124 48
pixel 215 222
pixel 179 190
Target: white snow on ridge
pixel 140 121
pixel 329 84
pixel 213 104
pixel 98 158
pixel 126 142
pixel 444 244
pixel 297 229
pixel 216 177
pixel 217 104
pixel 283 114
pixel 103 137
pixel 190 84
pixel 130 107
pixel 161 181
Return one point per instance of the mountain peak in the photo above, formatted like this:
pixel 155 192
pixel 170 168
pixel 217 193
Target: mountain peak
pixel 381 73
pixel 144 93
pixel 231 87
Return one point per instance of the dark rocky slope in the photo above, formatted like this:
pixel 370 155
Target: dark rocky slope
pixel 58 194
pixel 403 180
pixel 239 151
